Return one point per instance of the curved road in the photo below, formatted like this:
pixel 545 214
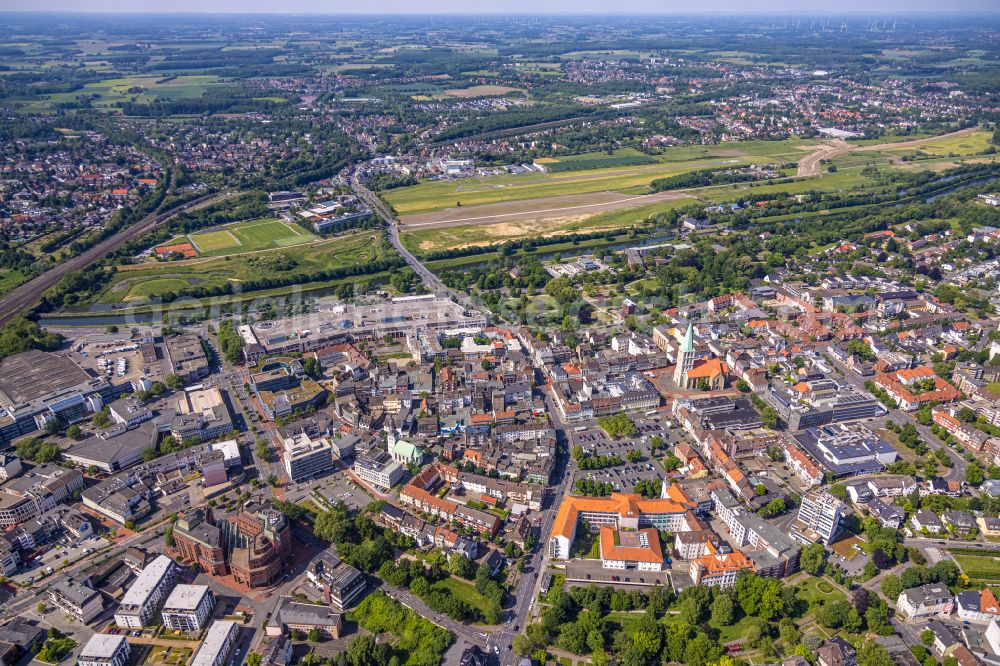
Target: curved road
pixel 29 294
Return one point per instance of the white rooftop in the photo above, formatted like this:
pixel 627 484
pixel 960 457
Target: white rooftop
pixel 146 582
pixel 101 646
pixel 215 641
pixel 185 597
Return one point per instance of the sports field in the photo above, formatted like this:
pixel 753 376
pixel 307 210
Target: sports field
pixel 251 236
pixel 135 283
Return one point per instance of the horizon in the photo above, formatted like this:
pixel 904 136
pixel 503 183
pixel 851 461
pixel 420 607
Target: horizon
pixel 515 8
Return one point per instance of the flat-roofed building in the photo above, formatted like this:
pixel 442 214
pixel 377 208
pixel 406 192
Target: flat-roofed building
pixel 15 510
pixel 341 583
pixel 218 644
pixel 819 518
pixel 77 600
pixel 105 650
pixel 188 607
pixel 290 615
pixel 37 387
pixel 200 413
pixel 186 357
pixel 307 458
pixel 143 598
pixel 350 323
pixel 378 469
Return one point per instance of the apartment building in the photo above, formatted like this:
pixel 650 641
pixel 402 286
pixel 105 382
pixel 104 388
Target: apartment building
pixel 218 643
pixel 819 518
pixel 105 650
pixel 932 600
pixel 188 608
pixel 143 598
pixel 76 599
pixel 719 569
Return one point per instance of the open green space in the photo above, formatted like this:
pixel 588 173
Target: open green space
pixel 463 591
pixel 817 592
pixel 9 279
pixel 139 282
pixel 143 89
pixel 248 236
pixel 423 241
pixel 977 565
pixel 437 195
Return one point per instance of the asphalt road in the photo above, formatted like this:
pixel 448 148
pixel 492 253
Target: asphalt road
pixel 30 293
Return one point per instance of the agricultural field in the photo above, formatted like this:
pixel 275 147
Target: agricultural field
pixel 583 161
pixel 479 91
pixel 976 564
pixel 242 237
pixel 136 283
pixel 141 89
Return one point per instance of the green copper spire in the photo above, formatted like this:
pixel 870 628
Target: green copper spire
pixel 687 344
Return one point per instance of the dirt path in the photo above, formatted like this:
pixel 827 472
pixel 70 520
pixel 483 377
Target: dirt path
pixel 809 165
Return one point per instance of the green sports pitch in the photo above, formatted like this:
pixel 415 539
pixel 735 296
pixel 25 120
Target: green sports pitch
pixel 250 236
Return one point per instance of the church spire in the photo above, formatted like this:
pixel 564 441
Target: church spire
pixel 687 344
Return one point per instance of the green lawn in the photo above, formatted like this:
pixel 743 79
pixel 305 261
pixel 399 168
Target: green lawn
pixel 212 241
pixel 978 566
pixel 817 592
pixel 464 591
pixel 134 283
pixel 248 236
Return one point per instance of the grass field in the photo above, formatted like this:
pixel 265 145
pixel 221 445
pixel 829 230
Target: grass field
pixel 962 145
pixel 135 283
pixel 249 236
pixel 817 592
pixel 144 89
pixel 463 591
pixel 423 241
pixel 9 279
pixel 977 565
pixel 479 91
pixel 438 195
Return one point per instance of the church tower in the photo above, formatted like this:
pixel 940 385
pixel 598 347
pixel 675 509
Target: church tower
pixel 685 358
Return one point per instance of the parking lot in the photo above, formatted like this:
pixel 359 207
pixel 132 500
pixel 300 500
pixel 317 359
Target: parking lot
pixel 336 488
pixel 54 556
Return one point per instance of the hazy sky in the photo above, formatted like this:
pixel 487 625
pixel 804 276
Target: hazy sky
pixel 503 6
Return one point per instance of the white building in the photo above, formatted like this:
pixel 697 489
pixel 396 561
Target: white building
pixel 105 650
pixel 188 608
pixel 926 601
pixel 376 468
pixel 306 458
pixel 819 518
pixel 218 643
pixel 150 587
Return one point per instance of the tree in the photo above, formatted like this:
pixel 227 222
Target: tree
pixel 945 572
pixel 315 635
pixel 723 610
pixel 253 659
pixel 312 367
pixel 871 653
pixel 74 431
pixel 364 651
pixel 812 559
pixel 168 537
pixel 174 382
